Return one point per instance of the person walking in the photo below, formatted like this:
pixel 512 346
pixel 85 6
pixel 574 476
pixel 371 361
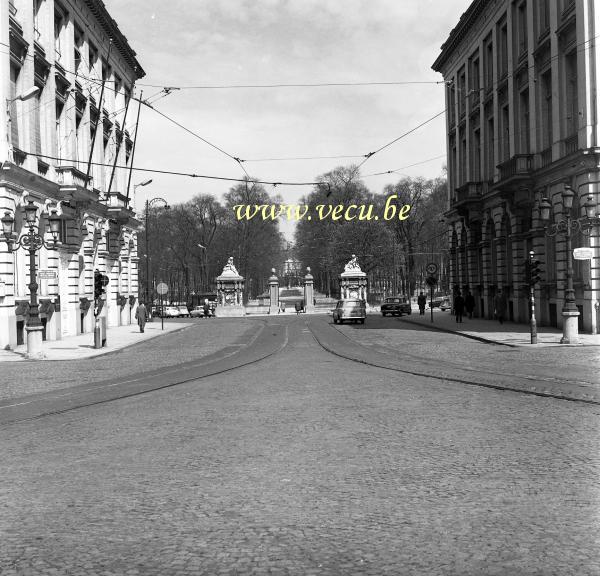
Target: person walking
pixel 469 303
pixel 459 306
pixel 500 306
pixel 298 307
pixel 142 315
pixel 206 308
pixel 421 301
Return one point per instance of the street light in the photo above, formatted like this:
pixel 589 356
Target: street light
pixel 149 204
pixel 32 240
pixel 563 226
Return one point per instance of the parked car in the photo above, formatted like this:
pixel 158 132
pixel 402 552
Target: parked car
pixel 435 303
pixel 350 310
pixel 170 312
pixel 198 312
pixel 183 311
pixel 395 306
pixel 445 304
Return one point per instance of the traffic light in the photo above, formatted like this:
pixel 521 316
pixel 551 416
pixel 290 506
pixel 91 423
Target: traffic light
pixel 535 271
pixel 100 281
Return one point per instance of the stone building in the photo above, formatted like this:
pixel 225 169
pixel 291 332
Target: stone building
pixel 523 121
pixel 66 146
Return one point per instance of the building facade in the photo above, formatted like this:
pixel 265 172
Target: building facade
pixel 66 148
pixel 523 121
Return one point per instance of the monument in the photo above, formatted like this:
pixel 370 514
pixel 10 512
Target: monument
pixel 353 281
pixel 230 290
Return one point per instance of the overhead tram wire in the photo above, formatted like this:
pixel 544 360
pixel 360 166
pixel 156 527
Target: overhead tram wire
pixel 405 167
pixel 303 85
pixel 175 173
pixel 236 159
pixel 371 154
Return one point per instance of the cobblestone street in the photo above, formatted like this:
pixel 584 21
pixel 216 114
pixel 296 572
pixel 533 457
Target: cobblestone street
pixel 305 463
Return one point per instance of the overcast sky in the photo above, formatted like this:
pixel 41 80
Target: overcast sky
pixel 185 43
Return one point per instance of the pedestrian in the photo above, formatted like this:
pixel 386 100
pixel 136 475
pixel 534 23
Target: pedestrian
pixel 421 301
pixel 206 308
pixel 469 303
pixel 459 306
pixel 500 306
pixel 298 306
pixel 282 306
pixel 142 315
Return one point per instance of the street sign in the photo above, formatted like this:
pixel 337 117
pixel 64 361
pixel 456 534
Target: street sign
pixel 47 274
pixel 431 281
pixel 431 268
pixel 162 288
pixel 583 253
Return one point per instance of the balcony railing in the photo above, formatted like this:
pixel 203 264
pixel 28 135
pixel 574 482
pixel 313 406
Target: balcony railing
pixel 546 157
pixel 469 191
pixel 518 165
pixel 571 144
pixel 71 176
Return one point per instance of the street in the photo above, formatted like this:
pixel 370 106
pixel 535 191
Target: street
pixel 306 449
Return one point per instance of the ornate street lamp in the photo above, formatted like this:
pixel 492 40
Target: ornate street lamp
pixel 32 241
pixel 563 226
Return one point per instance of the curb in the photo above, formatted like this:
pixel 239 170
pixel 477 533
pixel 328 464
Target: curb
pixel 447 331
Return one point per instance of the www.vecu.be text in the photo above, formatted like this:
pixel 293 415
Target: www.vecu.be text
pixel 296 212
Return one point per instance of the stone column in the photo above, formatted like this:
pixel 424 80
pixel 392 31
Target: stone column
pixel 308 291
pixel 273 293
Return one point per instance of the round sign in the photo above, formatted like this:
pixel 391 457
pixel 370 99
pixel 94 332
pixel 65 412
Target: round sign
pixel 431 268
pixel 162 288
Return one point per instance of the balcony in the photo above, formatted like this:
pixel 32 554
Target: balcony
pixel 71 176
pixel 468 197
pixel 518 166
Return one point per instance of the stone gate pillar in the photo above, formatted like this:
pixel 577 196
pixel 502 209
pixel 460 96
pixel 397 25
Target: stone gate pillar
pixel 274 293
pixel 230 288
pixel 353 282
pixel 308 291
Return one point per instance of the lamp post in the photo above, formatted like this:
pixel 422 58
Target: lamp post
pixel 149 204
pixel 563 226
pixel 31 240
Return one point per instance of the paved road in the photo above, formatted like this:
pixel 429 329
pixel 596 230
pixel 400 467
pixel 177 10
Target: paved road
pixel 305 463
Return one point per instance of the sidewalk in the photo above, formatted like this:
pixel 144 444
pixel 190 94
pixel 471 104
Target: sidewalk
pixel 508 333
pixel 82 346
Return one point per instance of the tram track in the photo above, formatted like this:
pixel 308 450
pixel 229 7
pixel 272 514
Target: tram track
pixel 366 355
pixel 269 341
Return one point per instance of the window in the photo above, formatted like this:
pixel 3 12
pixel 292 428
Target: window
pixel 504 133
pixel 490 165
pixel 451 97
pixel 523 131
pixel 542 16
pixel 572 107
pixel 92 56
pixel 462 91
pixel 520 29
pixel 463 157
pixel 60 129
pixel 37 6
pixel 13 112
pixel 488 63
pixel 474 85
pixel 546 109
pixel 476 155
pixel 502 49
pixel 78 41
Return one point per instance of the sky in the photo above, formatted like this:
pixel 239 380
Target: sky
pixel 193 44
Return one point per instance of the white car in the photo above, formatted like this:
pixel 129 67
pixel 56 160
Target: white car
pixel 170 312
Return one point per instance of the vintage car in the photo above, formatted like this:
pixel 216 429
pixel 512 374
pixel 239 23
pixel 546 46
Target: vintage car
pixel 445 304
pixel 350 310
pixel 395 306
pixel 170 312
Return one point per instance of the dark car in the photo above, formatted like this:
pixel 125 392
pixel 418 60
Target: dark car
pixel 350 310
pixel 395 307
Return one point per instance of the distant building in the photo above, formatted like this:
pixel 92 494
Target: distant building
pixel 523 118
pixel 66 49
